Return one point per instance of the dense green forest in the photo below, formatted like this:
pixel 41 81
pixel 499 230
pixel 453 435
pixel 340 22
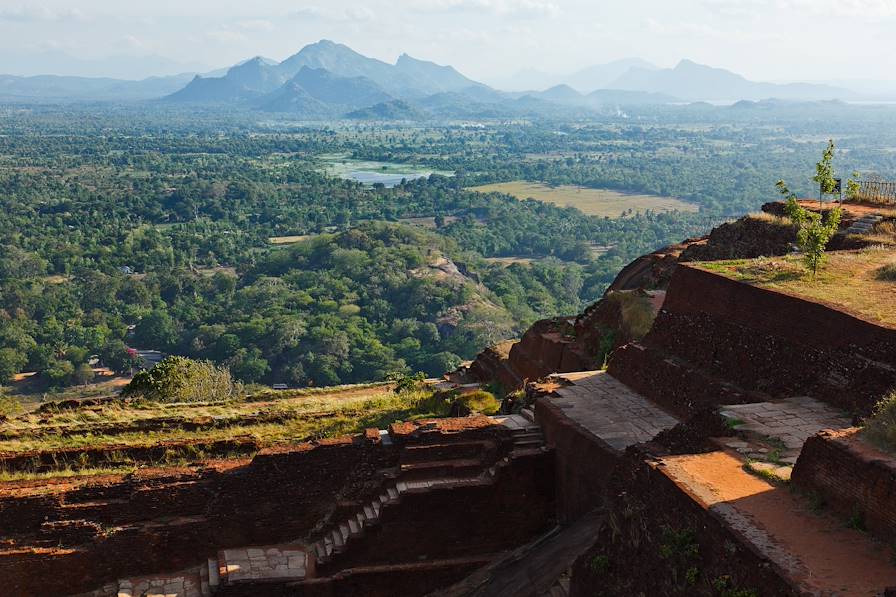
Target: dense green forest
pixel 152 230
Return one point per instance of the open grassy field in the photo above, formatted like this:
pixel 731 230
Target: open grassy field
pixel 862 283
pixel 269 418
pixel 290 240
pixel 595 202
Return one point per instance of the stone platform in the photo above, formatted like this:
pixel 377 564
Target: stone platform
pixel 609 409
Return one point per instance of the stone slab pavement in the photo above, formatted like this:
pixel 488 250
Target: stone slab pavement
pixel 791 421
pixel 256 563
pixel 609 409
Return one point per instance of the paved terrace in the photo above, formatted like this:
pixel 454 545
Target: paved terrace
pixel 772 434
pixel 609 409
pixel 816 550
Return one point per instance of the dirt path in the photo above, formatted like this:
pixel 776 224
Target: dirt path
pixel 816 549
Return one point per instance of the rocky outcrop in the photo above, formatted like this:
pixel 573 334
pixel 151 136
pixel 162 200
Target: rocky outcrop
pixel 566 344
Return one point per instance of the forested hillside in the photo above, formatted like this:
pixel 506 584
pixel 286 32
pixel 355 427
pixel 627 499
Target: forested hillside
pixel 216 236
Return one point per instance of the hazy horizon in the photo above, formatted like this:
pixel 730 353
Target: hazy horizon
pixel 488 40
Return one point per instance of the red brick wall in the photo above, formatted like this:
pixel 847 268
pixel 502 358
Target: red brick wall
pixel 627 557
pixel 726 342
pixel 583 462
pixel 852 477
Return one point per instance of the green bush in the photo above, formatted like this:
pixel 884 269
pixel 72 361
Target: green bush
pixel 179 379
pixel 881 426
pixel 9 406
pixel 480 401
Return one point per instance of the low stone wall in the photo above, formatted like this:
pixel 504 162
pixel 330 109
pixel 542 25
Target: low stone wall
pixel 852 477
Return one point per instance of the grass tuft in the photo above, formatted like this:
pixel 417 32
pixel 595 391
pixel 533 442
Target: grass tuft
pixel 881 426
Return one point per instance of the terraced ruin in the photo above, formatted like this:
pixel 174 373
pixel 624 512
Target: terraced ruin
pixel 700 423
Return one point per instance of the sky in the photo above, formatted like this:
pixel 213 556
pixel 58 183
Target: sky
pixel 771 40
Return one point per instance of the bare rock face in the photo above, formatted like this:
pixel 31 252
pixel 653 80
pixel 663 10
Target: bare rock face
pixel 746 238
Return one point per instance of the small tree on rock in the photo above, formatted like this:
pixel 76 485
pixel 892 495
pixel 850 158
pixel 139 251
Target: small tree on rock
pixel 813 232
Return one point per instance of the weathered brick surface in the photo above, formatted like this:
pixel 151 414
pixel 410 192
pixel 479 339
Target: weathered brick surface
pixel 715 334
pixel 852 477
pixel 144 525
pixel 645 507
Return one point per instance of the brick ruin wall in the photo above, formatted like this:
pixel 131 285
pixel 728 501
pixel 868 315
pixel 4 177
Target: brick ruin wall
pixel 850 476
pixel 659 541
pixel 642 505
pixel 63 542
pixel 584 463
pixel 718 341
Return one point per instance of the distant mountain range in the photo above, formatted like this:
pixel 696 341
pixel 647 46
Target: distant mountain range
pixel 692 81
pixel 598 76
pixel 328 80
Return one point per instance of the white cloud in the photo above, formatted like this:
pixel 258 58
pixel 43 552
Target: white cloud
pixel 341 15
pixel 133 42
pixel 225 36
pixel 256 25
pixel 859 9
pixel 34 14
pixel 504 8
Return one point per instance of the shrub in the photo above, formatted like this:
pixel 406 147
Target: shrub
pixel 881 426
pixel 637 313
pixel 813 232
pixel 179 379
pixel 479 401
pixel 887 273
pixel 9 406
pixel 407 383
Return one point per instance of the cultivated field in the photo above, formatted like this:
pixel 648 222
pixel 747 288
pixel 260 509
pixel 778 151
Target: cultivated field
pixel 595 202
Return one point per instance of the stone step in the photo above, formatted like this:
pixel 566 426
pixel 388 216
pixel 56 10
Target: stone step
pixel 528 414
pixel 338 541
pixel 422 470
pixel 354 528
pixel 446 451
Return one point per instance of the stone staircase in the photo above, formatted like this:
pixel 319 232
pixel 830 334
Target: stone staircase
pixel 296 562
pixel 419 478
pixel 864 224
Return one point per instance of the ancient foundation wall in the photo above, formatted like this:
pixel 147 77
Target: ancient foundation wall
pixel 583 462
pixel 855 479
pixel 744 343
pixel 660 541
pixel 73 540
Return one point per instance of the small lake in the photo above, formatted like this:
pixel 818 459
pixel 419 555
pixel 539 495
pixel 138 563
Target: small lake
pixel 370 172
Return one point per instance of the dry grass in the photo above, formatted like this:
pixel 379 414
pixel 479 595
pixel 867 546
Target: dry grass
pixel 637 313
pixel 290 240
pixel 770 219
pixel 595 202
pixel 850 281
pixel 295 419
